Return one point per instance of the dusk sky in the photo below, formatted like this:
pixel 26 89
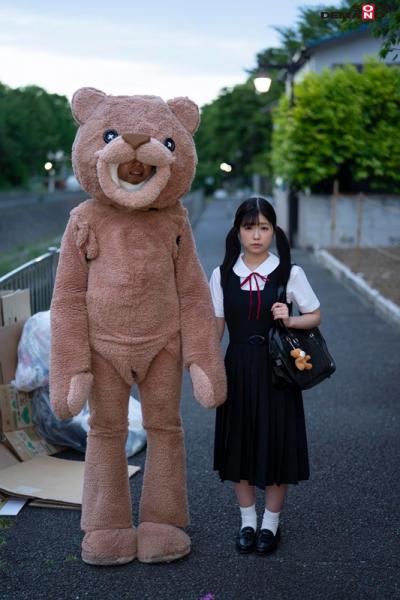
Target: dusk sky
pixel 165 48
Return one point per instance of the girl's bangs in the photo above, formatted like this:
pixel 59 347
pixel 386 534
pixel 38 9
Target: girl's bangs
pixel 251 217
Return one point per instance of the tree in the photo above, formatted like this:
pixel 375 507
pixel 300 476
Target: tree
pixel 344 125
pixel 235 128
pixel 32 123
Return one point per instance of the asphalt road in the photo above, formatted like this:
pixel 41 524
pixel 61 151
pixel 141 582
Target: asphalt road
pixel 339 529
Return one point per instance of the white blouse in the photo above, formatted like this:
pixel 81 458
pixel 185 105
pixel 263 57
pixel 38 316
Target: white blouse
pixel 298 288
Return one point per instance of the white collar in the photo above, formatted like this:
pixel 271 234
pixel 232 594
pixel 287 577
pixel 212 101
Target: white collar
pixel 266 267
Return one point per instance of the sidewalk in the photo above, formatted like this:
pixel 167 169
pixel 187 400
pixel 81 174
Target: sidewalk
pixel 373 272
pixel 339 529
pixel 378 266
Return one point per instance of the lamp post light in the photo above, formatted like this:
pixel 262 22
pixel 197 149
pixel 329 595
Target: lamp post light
pixel 48 166
pixel 262 84
pixel 53 159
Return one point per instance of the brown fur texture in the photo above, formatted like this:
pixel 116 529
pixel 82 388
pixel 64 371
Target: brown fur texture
pixel 131 303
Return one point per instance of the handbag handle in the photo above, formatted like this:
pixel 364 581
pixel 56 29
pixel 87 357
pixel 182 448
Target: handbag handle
pixel 282 298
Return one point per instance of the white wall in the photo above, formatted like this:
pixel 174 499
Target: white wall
pixel 380 222
pixel 352 50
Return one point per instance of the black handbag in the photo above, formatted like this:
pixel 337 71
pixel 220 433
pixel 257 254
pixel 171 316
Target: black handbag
pixel 282 340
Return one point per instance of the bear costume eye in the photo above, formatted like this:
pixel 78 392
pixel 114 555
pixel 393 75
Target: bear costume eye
pixel 169 142
pixel 109 135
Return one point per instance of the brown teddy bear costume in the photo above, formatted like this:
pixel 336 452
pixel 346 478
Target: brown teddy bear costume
pixel 131 303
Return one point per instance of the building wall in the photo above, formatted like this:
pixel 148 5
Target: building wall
pixel 352 51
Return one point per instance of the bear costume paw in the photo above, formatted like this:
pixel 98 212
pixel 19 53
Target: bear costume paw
pixel 158 542
pixel 79 391
pixel 109 546
pixel 207 394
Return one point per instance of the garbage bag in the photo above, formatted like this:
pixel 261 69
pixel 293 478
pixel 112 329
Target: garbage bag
pixel 33 353
pixel 32 375
pixel 72 432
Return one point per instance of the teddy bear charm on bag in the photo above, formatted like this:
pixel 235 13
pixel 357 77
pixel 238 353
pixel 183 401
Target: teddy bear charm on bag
pixel 301 359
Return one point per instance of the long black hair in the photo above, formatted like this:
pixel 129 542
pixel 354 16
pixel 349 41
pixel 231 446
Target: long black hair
pixel 247 214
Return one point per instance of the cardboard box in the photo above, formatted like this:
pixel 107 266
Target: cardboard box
pixel 27 443
pixel 9 340
pixel 7 458
pixel 15 306
pixel 15 408
pixel 17 428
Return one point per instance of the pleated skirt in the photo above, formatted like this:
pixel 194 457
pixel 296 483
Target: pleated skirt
pixel 260 431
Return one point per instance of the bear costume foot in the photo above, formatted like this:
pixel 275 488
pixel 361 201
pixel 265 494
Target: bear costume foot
pixel 159 542
pixel 110 546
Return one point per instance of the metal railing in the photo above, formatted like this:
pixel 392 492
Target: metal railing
pixel 38 275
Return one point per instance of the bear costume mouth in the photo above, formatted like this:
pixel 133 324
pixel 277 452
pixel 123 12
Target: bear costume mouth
pixel 126 185
pixel 134 195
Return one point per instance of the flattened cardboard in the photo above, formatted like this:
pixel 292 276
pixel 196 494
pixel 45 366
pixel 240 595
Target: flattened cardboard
pixel 9 340
pixel 48 479
pixel 15 306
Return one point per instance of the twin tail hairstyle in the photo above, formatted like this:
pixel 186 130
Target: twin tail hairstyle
pixel 247 214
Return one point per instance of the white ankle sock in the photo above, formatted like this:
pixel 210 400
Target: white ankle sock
pixel 249 516
pixel 270 520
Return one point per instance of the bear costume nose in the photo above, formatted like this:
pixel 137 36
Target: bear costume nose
pixel 135 139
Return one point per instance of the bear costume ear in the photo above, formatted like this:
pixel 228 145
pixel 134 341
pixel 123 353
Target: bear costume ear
pixel 84 101
pixel 186 111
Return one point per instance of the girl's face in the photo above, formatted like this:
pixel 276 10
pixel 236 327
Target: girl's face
pixel 256 239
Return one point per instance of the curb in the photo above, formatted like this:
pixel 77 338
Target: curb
pixel 343 273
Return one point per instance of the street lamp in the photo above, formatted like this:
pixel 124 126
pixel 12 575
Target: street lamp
pixel 51 172
pixel 262 84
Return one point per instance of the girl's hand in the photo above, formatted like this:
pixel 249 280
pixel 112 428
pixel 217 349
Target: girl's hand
pixel 281 311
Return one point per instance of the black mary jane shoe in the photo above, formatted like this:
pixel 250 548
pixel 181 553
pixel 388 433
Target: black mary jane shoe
pixel 266 541
pixel 246 540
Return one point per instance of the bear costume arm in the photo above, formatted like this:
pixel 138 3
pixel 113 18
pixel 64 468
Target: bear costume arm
pixel 70 352
pixel 197 322
pixel 201 351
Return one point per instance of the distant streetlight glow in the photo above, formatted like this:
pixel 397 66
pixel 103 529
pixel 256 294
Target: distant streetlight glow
pixel 225 167
pixel 262 84
pixel 48 166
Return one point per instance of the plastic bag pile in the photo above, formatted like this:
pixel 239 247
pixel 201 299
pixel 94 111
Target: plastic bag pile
pixel 32 375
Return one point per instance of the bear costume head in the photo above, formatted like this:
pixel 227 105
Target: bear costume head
pixel 134 130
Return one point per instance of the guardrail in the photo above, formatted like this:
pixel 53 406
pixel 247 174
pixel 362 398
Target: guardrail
pixel 38 275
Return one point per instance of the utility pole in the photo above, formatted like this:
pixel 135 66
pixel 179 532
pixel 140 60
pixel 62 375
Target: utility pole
pixel 299 58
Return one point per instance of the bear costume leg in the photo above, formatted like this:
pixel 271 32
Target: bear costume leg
pixel 110 536
pixel 164 504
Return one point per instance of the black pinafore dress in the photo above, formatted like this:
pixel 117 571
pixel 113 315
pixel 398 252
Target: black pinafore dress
pixel 260 432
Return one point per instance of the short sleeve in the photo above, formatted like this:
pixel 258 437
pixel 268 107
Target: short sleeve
pixel 299 289
pixel 217 294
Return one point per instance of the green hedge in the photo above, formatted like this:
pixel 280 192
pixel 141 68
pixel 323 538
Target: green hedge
pixel 343 121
